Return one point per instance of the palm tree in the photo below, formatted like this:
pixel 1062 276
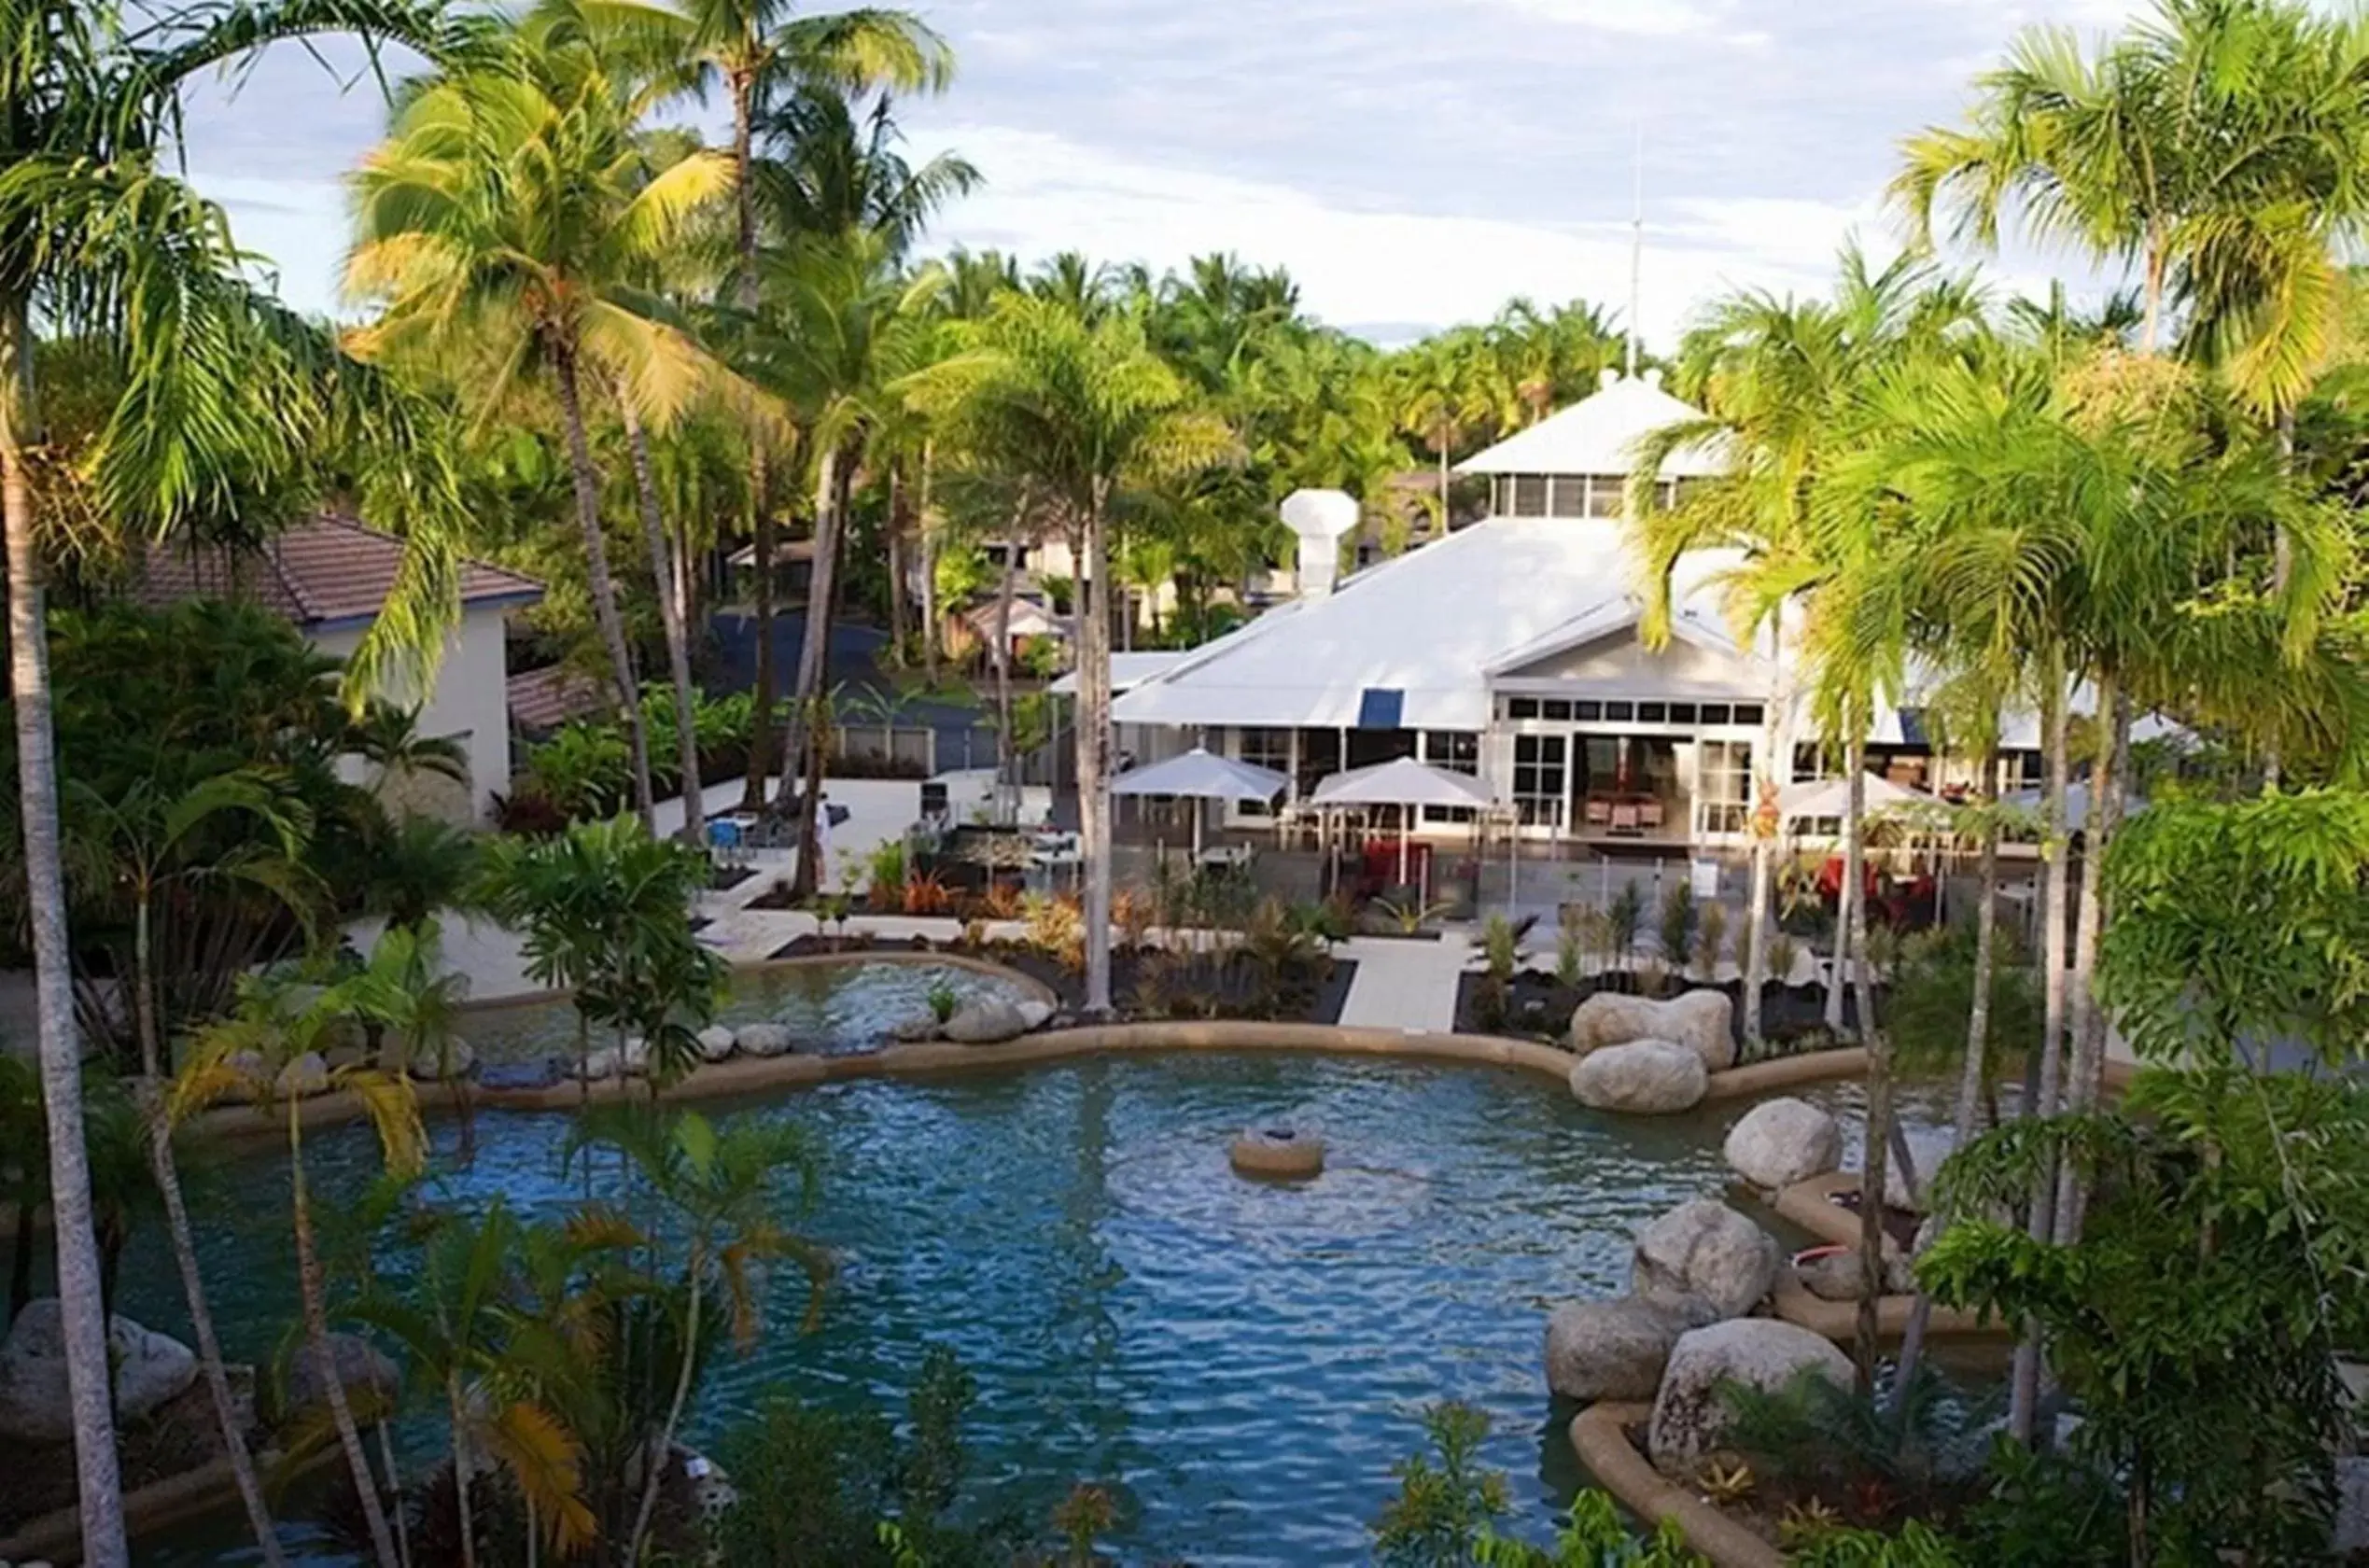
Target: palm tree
pixel 81 202
pixel 727 1188
pixel 1079 411
pixel 515 208
pixel 457 1321
pixel 759 52
pixel 278 1025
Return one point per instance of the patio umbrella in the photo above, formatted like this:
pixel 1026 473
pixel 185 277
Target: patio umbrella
pixel 1404 783
pixel 2076 803
pixel 1201 774
pixel 1832 797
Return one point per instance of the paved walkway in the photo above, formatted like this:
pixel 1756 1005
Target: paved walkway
pixel 1404 985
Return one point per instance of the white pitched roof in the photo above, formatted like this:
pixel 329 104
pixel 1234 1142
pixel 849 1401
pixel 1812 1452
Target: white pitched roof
pixel 1427 624
pixel 1598 435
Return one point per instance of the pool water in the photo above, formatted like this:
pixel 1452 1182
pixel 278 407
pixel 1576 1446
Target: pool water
pixel 851 1005
pixel 1240 1363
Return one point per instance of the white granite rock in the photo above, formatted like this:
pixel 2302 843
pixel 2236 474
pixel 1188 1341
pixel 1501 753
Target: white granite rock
pixel 1691 1418
pixel 1646 1077
pixel 1698 1020
pixel 1705 1250
pixel 1781 1142
pixel 34 1405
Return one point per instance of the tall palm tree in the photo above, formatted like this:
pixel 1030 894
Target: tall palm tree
pixel 1080 411
pixel 515 207
pixel 90 237
pixel 759 52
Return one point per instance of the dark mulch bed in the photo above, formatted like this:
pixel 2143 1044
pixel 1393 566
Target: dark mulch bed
pixel 776 897
pixel 178 1436
pixel 724 878
pixel 1202 991
pixel 1537 1005
pixel 700 923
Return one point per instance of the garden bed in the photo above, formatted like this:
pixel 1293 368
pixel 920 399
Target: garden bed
pixel 1537 1005
pixel 178 1437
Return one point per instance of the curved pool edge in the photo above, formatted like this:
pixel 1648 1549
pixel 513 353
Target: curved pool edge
pixel 1600 1438
pixel 757 1074
pixel 940 958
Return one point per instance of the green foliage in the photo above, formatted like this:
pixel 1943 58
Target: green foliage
pixel 1679 918
pixel 887 866
pixel 943 1000
pixel 585 768
pixel 1624 919
pixel 1447 1503
pixel 2201 1301
pixel 1710 939
pixel 1934 993
pixel 1502 947
pixel 1873 1458
pixel 1915 1546
pixel 2240 923
pixel 818 1486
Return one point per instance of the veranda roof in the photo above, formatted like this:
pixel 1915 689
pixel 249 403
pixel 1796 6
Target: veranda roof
pixel 1402 782
pixel 1599 435
pixel 1202 774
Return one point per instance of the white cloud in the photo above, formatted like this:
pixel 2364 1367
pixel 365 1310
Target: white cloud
pixel 1651 17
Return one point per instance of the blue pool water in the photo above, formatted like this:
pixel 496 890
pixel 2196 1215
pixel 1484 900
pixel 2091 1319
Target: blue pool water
pixel 1240 1363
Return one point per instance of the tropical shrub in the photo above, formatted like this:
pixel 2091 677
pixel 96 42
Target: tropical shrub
pixel 1677 922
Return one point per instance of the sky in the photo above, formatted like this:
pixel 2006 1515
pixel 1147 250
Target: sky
pixel 1413 163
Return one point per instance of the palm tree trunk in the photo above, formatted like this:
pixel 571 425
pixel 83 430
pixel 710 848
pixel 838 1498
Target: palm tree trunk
pixel 809 737
pixel 898 629
pixel 653 528
pixel 655 1468
pixel 1879 1070
pixel 395 1490
pixel 604 589
pixel 1774 770
pixel 184 1238
pixel 2089 1021
pixel 1094 753
pixel 461 1472
pixel 761 732
pixel 1971 1076
pixel 316 1307
pixel 1003 755
pixel 98 1481
pixel 927 539
pixel 2024 1384
pixel 209 1345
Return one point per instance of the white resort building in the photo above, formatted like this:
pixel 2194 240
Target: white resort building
pixel 1510 649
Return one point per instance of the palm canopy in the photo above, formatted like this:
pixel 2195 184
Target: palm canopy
pixel 760 48
pixel 1080 409
pixel 517 207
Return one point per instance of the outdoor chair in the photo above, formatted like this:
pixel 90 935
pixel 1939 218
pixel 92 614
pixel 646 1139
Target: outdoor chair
pixel 1626 819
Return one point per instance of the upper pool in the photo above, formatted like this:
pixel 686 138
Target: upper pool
pixel 1240 1363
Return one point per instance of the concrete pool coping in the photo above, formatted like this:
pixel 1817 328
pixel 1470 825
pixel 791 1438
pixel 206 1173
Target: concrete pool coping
pixel 1600 1438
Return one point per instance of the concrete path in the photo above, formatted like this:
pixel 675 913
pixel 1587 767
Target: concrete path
pixel 1404 985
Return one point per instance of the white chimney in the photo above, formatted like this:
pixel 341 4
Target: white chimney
pixel 1321 519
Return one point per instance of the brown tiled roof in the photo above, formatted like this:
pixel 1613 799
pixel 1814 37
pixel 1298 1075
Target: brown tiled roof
pixel 330 570
pixel 546 699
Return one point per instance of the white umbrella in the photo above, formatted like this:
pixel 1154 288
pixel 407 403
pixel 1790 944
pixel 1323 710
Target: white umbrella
pixel 1201 774
pixel 1403 783
pixel 1832 797
pixel 2076 803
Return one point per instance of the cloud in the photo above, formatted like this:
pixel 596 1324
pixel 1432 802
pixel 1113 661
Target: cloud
pixel 1658 17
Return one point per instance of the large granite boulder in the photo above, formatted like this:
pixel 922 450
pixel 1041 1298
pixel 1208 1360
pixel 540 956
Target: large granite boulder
pixel 1646 1077
pixel 35 1406
pixel 1706 1252
pixel 764 1039
pixel 1035 1012
pixel 1612 1349
pixel 986 1023
pixel 453 1060
pixel 1698 1020
pixel 366 1375
pixel 716 1042
pixel 1781 1142
pixel 630 1059
pixel 2352 1504
pixel 1690 1416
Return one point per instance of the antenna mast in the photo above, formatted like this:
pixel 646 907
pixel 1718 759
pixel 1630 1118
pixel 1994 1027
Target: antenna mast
pixel 1637 250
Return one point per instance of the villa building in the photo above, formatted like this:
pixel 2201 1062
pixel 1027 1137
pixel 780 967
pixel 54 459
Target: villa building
pixel 1510 649
pixel 329 576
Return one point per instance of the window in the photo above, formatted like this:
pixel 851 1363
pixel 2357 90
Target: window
pixel 1530 495
pixel 1539 784
pixel 1568 495
pixel 1682 713
pixel 1620 712
pixel 1266 749
pixel 1500 496
pixel 1587 712
pixel 1715 713
pixel 1723 784
pixel 1457 751
pixel 1747 713
pixel 1604 494
pixel 1809 764
pixel 1521 708
pixel 1653 713
pixel 1559 711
